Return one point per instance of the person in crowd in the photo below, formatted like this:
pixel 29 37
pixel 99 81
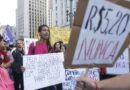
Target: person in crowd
pixel 115 83
pixel 57 46
pixel 5 82
pixel 9 54
pixel 3 54
pixel 7 50
pixel 42 46
pixel 17 66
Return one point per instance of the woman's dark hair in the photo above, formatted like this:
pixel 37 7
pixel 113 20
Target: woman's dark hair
pixel 61 43
pixel 1 38
pixel 54 47
pixel 40 27
pixel 48 40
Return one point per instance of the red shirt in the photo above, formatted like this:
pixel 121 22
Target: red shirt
pixel 4 57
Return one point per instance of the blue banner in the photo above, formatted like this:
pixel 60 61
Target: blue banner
pixel 7 35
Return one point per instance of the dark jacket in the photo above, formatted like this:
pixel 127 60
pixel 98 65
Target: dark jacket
pixel 18 61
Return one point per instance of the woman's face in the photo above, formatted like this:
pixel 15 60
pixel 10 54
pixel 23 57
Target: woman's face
pixel 57 46
pixel 44 34
pixel 2 44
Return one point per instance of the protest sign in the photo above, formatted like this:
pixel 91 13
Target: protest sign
pixel 94 74
pixel 72 74
pixel 59 34
pixel 121 66
pixel 43 70
pixel 101 34
pixel 27 42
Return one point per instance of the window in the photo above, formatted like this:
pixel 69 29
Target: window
pixel 56 8
pixel 56 15
pixel 56 23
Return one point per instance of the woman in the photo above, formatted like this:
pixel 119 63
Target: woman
pixel 5 82
pixel 57 47
pixel 6 61
pixel 42 46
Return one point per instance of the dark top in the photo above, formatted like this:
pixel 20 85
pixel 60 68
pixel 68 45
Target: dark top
pixel 18 61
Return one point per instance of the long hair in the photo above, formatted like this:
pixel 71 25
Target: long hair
pixel 48 40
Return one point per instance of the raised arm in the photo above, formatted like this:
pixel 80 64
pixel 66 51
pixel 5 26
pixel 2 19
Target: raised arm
pixel 116 83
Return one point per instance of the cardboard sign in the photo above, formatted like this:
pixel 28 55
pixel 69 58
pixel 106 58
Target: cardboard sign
pixel 72 74
pixel 101 36
pixel 43 70
pixel 27 42
pixel 121 66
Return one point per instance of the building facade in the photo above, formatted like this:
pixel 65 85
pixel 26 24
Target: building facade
pixel 32 13
pixel 63 12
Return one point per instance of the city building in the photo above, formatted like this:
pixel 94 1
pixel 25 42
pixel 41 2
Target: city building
pixel 14 32
pixel 32 13
pixel 63 12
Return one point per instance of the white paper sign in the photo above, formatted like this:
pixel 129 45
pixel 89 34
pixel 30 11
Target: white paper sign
pixel 121 66
pixel 103 32
pixel 94 74
pixel 43 70
pixel 71 74
pixel 27 42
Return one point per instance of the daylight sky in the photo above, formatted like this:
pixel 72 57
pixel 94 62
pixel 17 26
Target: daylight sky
pixel 8 12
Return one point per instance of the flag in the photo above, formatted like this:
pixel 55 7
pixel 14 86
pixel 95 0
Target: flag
pixel 7 35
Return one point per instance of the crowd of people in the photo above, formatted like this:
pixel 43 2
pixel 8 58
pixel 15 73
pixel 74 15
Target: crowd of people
pixel 11 65
pixel 11 57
